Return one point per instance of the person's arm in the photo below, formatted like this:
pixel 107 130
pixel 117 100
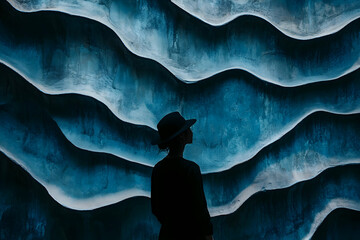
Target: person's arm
pixel 201 205
pixel 155 200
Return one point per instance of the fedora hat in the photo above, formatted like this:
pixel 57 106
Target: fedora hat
pixel 171 126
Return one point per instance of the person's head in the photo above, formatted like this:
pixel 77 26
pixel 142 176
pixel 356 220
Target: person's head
pixel 174 132
pixel 178 142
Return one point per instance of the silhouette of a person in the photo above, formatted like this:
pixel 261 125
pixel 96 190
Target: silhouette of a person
pixel 177 195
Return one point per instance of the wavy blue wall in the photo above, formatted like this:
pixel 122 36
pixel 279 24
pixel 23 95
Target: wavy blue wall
pixel 275 86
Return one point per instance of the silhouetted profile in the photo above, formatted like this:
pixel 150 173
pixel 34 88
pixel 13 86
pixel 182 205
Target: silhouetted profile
pixel 177 195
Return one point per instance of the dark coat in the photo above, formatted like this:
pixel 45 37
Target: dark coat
pixel 178 200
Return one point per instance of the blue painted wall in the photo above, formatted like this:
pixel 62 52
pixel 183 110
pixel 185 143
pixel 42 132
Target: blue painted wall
pixel 274 86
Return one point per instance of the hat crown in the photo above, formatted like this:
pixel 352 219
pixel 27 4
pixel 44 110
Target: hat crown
pixel 170 124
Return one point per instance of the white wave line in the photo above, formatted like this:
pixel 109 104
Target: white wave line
pixel 227 20
pixel 65 200
pixel 178 74
pixel 331 206
pixel 248 157
pixel 252 189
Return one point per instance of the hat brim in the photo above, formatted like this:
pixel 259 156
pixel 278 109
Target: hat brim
pixel 188 124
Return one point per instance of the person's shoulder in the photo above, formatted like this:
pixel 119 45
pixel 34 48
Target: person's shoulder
pixel 191 164
pixel 160 163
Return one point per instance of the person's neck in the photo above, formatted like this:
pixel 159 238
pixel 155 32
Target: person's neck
pixel 176 152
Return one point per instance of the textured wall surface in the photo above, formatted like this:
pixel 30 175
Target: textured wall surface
pixel 275 86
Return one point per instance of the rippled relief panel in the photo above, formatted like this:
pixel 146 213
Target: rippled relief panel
pixel 277 136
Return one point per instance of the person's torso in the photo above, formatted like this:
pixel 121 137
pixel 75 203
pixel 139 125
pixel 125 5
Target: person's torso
pixel 174 178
